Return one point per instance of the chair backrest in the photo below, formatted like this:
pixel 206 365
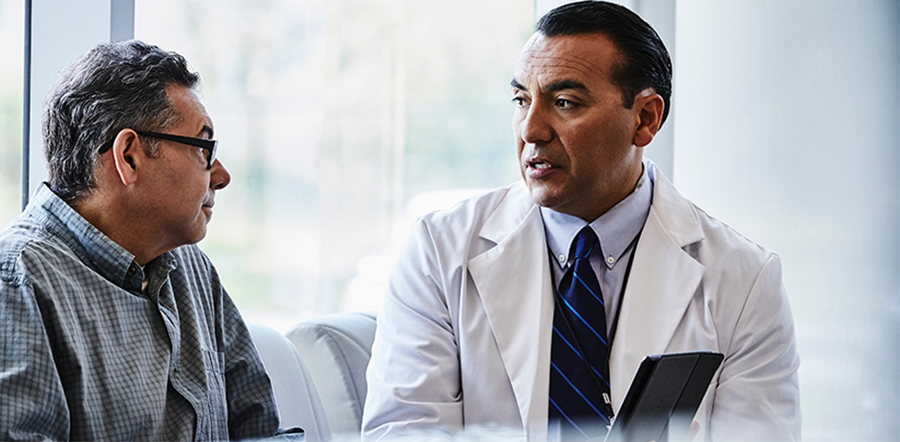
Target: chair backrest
pixel 336 349
pixel 295 392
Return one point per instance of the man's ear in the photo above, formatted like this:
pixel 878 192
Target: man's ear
pixel 649 106
pixel 128 154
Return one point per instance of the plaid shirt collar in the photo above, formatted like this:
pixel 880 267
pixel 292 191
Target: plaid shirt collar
pixel 104 255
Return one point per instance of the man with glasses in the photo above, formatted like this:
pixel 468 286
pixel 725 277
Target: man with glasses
pixel 113 324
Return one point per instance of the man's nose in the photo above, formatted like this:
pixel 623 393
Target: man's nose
pixel 535 127
pixel 219 176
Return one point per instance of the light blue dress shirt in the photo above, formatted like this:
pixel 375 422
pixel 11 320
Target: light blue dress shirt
pixel 617 230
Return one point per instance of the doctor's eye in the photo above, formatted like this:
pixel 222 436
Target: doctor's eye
pixel 562 103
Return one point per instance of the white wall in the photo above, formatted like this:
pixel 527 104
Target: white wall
pixel 787 130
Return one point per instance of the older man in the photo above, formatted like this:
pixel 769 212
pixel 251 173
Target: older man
pixel 113 324
pixel 532 306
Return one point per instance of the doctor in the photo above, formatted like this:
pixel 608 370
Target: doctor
pixel 478 317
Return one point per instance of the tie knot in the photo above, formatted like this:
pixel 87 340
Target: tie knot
pixel 585 242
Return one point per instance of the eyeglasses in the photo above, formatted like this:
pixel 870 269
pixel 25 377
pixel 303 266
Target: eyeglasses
pixel 210 146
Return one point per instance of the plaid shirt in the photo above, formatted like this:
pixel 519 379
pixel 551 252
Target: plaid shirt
pixel 87 354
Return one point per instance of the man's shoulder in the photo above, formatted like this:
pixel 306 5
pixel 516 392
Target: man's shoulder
pixel 473 225
pixel 25 240
pixel 685 221
pixel 472 212
pixel 727 237
pixel 723 247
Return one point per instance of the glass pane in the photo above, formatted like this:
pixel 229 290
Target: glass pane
pixel 340 121
pixel 12 34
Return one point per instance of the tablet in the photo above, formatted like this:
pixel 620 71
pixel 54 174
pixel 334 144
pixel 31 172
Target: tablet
pixel 664 396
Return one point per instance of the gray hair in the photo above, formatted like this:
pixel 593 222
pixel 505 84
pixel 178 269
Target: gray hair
pixel 112 87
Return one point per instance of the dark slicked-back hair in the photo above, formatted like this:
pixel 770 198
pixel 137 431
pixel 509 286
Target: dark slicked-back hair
pixel 113 87
pixel 645 60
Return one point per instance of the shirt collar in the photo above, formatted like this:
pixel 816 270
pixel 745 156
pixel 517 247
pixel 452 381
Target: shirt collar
pixel 105 257
pixel 616 228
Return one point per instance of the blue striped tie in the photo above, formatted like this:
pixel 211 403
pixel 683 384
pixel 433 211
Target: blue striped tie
pixel 578 385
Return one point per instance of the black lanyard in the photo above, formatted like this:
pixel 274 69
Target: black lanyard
pixel 557 298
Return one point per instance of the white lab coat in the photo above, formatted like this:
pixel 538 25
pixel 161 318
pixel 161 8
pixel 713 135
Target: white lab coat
pixel 464 335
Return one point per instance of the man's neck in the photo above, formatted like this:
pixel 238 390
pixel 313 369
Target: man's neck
pixel 115 222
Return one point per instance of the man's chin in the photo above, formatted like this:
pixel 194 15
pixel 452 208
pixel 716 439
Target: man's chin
pixel 542 196
pixel 199 234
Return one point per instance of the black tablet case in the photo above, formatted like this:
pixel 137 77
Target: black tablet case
pixel 664 396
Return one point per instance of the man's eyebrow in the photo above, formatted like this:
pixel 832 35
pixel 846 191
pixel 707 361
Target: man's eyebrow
pixel 206 130
pixel 566 84
pixel 553 87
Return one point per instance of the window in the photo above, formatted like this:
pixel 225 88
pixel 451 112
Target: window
pixel 12 32
pixel 340 122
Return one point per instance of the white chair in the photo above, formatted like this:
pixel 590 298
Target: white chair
pixel 295 393
pixel 336 349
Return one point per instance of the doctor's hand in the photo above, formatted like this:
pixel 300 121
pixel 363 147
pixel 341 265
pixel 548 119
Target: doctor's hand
pixel 692 431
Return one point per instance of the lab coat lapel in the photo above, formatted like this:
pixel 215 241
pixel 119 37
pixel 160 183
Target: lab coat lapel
pixel 663 281
pixel 514 284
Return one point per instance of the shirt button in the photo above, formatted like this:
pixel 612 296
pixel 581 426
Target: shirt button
pixel 561 258
pixel 610 260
